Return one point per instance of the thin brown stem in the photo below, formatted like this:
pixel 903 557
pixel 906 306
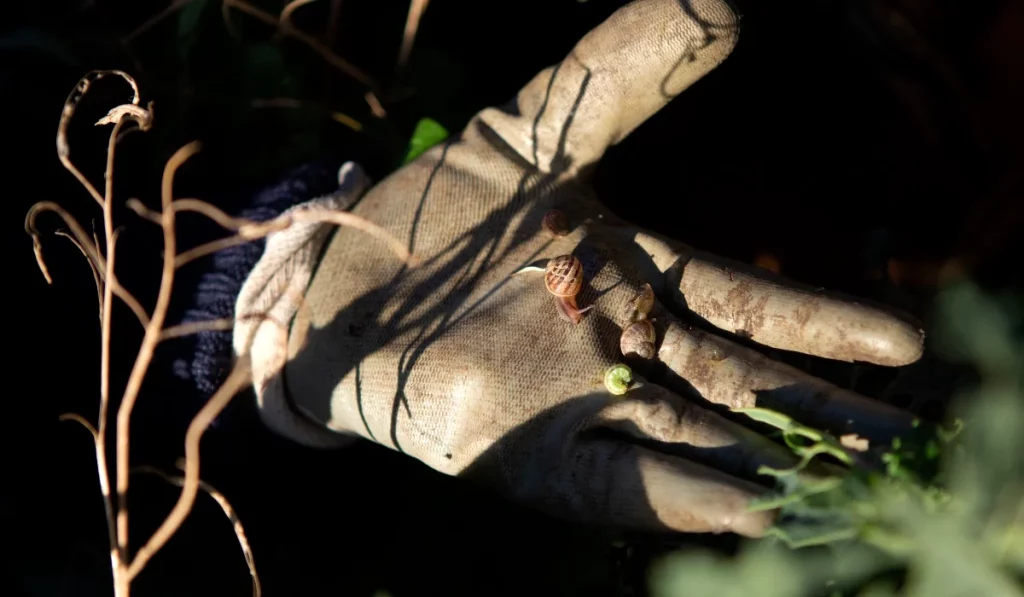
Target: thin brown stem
pixel 240 375
pixel 412 25
pixel 286 12
pixel 122 293
pixel 375 106
pixel 228 510
pixel 81 421
pixel 209 248
pixel 187 329
pixel 105 326
pixel 290 30
pixel 249 230
pixel 149 340
pixel 96 276
pixel 76 229
pixel 87 246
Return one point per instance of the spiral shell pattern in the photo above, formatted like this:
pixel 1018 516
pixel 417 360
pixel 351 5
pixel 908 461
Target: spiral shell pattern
pixel 563 276
pixel 638 338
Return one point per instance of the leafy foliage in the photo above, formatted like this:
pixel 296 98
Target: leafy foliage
pixel 944 516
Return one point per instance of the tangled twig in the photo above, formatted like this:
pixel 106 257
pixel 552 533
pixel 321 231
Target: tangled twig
pixel 125 568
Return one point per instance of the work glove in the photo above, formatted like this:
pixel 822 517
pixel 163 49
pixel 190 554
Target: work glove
pixel 499 355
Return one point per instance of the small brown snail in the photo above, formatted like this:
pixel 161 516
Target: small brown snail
pixel 642 304
pixel 638 338
pixel 556 223
pixel 563 278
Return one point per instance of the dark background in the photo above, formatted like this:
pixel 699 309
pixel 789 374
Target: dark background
pixel 867 147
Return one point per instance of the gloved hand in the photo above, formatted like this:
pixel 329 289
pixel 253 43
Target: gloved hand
pixel 472 366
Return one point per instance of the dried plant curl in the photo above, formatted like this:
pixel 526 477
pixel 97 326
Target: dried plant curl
pixel 102 261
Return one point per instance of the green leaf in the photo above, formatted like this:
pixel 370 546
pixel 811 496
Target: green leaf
pixel 428 133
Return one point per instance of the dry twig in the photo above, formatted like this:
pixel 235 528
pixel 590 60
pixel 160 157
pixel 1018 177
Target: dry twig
pixel 124 567
pixel 225 505
pixel 412 25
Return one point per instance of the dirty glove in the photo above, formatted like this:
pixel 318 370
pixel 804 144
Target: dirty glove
pixel 469 363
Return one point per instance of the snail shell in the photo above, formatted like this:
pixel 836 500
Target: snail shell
pixel 618 378
pixel 643 302
pixel 564 276
pixel 556 223
pixel 638 338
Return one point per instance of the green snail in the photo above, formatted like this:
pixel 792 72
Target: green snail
pixel 618 378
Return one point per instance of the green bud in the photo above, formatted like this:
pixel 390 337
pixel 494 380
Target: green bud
pixel 618 378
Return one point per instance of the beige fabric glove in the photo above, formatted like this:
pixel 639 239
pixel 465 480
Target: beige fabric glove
pixel 471 368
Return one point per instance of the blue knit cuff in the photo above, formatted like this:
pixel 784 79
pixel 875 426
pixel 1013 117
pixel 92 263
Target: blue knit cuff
pixel 210 287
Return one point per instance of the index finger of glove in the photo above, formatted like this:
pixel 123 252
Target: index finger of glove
pixel 616 77
pixel 771 310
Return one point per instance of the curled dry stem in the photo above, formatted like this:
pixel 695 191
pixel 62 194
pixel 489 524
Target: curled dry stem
pixel 96 275
pixel 89 248
pixel 291 7
pixel 124 568
pixel 77 418
pixel 71 104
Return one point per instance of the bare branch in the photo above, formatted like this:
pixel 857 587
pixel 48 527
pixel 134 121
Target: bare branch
pixel 249 230
pixel 209 248
pixel 82 421
pixel 96 275
pixel 86 244
pixel 92 253
pixel 286 12
pixel 106 315
pixel 412 25
pixel 187 329
pixel 225 14
pixel 290 30
pixel 240 376
pixel 375 105
pixel 225 505
pixel 149 340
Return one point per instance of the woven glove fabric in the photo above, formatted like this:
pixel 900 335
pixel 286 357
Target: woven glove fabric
pixel 467 365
